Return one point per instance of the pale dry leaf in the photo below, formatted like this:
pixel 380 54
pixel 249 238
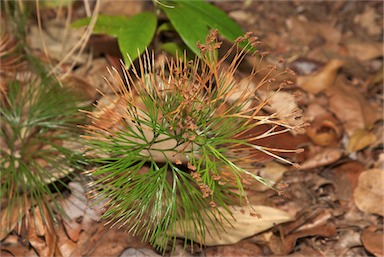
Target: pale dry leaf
pixel 322 79
pixel 77 208
pixel 272 171
pixel 243 224
pixel 309 32
pixel 114 108
pixel 369 21
pixel 360 139
pixel 363 50
pixel 285 106
pixel 58 41
pixel 325 157
pixel 141 252
pixel 369 191
pixel 126 8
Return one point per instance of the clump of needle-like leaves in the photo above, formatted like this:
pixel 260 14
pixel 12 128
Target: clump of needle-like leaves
pixel 39 121
pixel 169 142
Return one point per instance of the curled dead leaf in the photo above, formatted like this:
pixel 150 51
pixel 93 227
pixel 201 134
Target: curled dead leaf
pixel 321 80
pixel 324 130
pixel 369 191
pixel 243 224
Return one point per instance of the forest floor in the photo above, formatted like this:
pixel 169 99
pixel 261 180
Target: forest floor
pixel 335 197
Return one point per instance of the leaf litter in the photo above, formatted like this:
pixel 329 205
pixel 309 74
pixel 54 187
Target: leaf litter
pixel 334 200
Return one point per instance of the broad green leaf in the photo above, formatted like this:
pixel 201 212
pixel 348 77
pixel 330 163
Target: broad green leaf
pixel 133 33
pixel 193 20
pixel 110 25
pixel 136 35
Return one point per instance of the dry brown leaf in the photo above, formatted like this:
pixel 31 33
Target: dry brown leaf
pixel 9 215
pixel 360 139
pixel 351 107
pixel 242 248
pixel 369 194
pixel 324 157
pixel 77 209
pixel 364 50
pixel 283 247
pixel 126 8
pixel 247 223
pixel 57 40
pixel 285 106
pixel 324 130
pixel 41 232
pixel 373 241
pixel 321 80
pixel 345 178
pixel 369 21
pixel 310 32
pixel 272 171
pixel 141 252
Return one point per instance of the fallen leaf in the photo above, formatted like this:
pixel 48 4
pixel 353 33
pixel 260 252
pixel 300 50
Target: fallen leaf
pixel 351 107
pixel 369 191
pixel 345 178
pixel 363 50
pixel 141 252
pixel 285 106
pixel 243 224
pixel 373 241
pixel 360 139
pixel 304 66
pixel 9 215
pixel 41 232
pixel 310 32
pixel 79 214
pixel 325 157
pixel 272 171
pixel 368 21
pixel 285 246
pixel 130 8
pixel 242 248
pixel 324 130
pixel 321 80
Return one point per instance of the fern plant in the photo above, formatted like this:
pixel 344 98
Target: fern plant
pixel 169 145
